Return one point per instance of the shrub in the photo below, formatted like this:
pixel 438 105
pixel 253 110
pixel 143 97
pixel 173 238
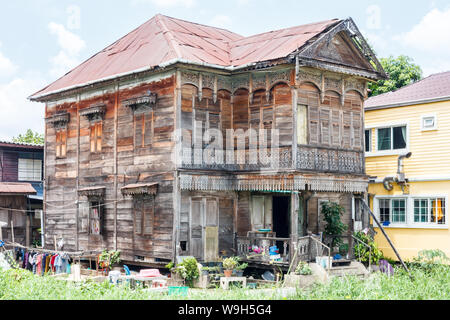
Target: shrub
pixel 303 268
pixel 363 253
pixel 188 270
pixel 332 213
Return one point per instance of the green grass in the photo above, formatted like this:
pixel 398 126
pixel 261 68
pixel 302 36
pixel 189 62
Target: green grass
pixel 429 283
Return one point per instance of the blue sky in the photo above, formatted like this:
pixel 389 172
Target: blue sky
pixel 40 40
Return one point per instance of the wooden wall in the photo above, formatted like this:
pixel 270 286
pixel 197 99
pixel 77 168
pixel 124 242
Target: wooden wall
pixel 131 163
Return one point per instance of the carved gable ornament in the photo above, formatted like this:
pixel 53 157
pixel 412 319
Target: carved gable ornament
pixel 95 112
pixel 59 120
pixel 141 103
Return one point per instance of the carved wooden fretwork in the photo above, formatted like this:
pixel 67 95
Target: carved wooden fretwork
pixel 95 112
pixel 240 82
pixel 141 104
pixel 190 78
pixel 279 76
pixel 354 85
pixel 98 192
pixel 306 76
pixel 140 189
pixel 59 120
pixel 223 83
pixel 271 183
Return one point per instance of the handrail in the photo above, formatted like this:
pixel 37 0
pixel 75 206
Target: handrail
pixel 323 245
pixel 370 250
pixel 366 206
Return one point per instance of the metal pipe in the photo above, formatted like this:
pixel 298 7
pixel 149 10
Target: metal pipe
pixel 400 162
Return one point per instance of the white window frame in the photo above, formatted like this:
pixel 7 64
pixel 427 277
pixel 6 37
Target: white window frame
pixel 422 119
pixel 24 174
pixel 429 198
pixel 410 224
pixel 375 152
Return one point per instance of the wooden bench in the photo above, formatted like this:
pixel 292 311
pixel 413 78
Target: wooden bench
pixel 225 281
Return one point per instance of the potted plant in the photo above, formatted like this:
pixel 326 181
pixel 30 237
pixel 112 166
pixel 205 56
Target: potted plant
pixel 228 265
pixel 240 269
pixel 108 259
pixel 343 249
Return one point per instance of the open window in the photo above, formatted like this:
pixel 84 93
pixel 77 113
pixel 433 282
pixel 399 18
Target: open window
pixel 91 210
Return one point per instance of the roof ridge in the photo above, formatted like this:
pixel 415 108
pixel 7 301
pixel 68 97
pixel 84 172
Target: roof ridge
pixel 168 35
pixel 199 24
pixel 283 29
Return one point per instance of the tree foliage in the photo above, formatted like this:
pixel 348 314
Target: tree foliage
pixel 402 71
pixel 334 228
pixel 30 137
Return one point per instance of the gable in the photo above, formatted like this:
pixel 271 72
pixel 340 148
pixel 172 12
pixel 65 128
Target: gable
pixel 340 49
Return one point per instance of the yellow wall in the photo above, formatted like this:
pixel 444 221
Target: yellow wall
pixel 429 149
pixel 430 159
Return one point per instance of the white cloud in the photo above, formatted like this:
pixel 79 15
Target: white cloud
pixel 430 35
pixel 7 68
pixel 166 3
pixel 70 47
pixel 16 111
pixel 221 21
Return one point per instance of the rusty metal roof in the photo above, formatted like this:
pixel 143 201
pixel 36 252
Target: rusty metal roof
pixel 15 188
pixel 163 40
pixel 21 145
pixel 436 87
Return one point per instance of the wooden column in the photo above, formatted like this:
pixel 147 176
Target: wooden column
pixel 116 193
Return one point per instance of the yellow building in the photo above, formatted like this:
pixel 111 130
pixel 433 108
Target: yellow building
pixel 410 195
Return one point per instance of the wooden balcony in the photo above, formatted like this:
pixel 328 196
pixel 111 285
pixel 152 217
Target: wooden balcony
pixel 256 250
pixel 308 158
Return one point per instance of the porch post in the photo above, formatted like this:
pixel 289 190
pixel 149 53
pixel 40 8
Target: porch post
pixel 294 223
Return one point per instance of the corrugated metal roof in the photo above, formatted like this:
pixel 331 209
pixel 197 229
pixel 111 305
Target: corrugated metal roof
pixel 10 188
pixel 163 39
pixel 434 87
pixel 20 145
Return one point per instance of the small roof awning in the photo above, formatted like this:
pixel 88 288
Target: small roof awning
pixel 58 118
pixel 149 98
pixel 140 188
pixel 97 109
pixel 13 189
pixel 92 191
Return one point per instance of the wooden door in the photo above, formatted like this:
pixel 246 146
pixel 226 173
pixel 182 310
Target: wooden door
pixel 196 228
pixel 261 212
pixel 211 239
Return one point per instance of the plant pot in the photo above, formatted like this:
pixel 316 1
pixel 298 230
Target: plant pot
pixel 239 273
pixel 205 272
pixel 228 273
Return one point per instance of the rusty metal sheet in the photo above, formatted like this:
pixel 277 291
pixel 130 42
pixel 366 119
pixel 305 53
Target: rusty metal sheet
pixel 9 188
pixel 163 39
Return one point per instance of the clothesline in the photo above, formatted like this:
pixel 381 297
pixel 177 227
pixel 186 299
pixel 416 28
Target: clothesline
pixel 78 254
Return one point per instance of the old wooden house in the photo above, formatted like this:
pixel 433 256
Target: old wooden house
pixel 21 187
pixel 122 170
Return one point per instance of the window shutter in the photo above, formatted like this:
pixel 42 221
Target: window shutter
pixel 346 132
pixel 268 212
pixel 302 124
pixel 325 126
pixel 138 208
pixel 357 134
pixel 336 126
pixel 83 216
pixel 148 216
pixel 313 124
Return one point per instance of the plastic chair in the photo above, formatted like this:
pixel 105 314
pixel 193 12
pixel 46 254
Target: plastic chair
pixel 127 270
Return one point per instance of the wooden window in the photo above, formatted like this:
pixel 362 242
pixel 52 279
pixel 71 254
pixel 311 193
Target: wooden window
pixel 61 143
pixel 96 137
pixel 302 124
pixel 30 169
pixel 261 213
pixel 144 215
pixel 144 127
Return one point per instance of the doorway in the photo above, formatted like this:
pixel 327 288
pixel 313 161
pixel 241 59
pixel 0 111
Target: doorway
pixel 281 218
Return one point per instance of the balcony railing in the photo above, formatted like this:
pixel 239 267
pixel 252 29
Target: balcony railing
pixel 257 249
pixel 308 158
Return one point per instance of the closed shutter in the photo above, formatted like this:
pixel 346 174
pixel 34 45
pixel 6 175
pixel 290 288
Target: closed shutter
pixel 325 126
pixel 258 212
pixel 211 243
pixel 346 131
pixel 313 124
pixel 336 125
pixel 196 228
pixel 83 217
pixel 357 131
pixel 148 216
